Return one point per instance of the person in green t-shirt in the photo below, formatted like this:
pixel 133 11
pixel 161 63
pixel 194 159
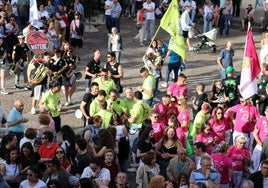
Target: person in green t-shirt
pixel 105 83
pixel 105 114
pixel 94 106
pixel 51 99
pixel 140 110
pixel 147 86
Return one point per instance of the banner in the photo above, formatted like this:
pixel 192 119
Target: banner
pixel 250 68
pixel 170 22
pixel 33 17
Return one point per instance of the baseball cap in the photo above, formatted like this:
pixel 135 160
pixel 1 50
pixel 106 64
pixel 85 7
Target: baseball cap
pixel 206 106
pixel 229 69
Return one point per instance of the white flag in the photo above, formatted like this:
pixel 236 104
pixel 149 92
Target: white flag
pixel 33 17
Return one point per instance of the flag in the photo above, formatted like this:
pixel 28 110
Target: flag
pixel 170 22
pixel 250 68
pixel 33 17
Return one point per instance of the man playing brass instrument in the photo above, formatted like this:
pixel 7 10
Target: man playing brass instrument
pixel 39 67
pixel 69 79
pixel 57 65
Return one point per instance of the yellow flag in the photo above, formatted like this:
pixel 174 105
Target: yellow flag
pixel 170 22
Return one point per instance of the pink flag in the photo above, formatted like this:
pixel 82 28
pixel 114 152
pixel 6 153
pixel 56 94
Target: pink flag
pixel 250 68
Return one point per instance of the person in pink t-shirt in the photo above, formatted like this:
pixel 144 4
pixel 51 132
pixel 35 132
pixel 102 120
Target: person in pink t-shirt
pixel 219 124
pixel 207 137
pixel 223 164
pixel 173 122
pixel 240 156
pixel 260 133
pixel 158 126
pixel 179 89
pixel 246 116
pixel 162 107
pixel 184 115
pixel 172 108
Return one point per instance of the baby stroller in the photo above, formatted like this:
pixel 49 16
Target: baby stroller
pixel 205 44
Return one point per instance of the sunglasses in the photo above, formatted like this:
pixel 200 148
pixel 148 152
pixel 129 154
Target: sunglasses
pixel 156 117
pixel 59 152
pixel 179 104
pixel 219 113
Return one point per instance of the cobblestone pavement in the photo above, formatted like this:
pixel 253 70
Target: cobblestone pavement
pixel 199 67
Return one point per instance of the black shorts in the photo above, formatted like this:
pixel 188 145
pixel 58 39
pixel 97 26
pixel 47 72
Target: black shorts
pixel 185 34
pixel 76 43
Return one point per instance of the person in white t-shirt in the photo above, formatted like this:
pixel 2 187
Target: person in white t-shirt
pixel 149 22
pixel 108 5
pixel 32 179
pixel 100 176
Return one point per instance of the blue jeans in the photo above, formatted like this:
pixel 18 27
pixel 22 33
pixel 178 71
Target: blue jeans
pixel 156 85
pixel 149 29
pixel 207 25
pixel 108 23
pixel 116 23
pixel 225 24
pixel 193 13
pixel 172 67
pixel 87 85
pixel 222 74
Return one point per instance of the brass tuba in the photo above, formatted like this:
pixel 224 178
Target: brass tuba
pixel 39 74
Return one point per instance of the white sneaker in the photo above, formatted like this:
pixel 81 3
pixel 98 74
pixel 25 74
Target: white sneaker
pixel 33 111
pixel 134 165
pixel 67 104
pixel 133 169
pixel 4 92
pixel 164 85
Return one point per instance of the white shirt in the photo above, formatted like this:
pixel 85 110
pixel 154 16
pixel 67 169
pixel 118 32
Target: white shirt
pixel 104 174
pixel 149 6
pixel 40 184
pixel 208 10
pixel 108 11
pixel 14 4
pixel 186 22
pixel 191 4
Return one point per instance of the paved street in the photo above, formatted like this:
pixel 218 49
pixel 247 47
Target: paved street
pixel 199 67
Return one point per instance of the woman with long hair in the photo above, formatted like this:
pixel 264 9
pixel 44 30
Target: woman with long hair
pixel 52 35
pixel 207 137
pixel 146 142
pixel 115 43
pixel 91 131
pixel 10 168
pixel 219 124
pixel 167 149
pixel 173 122
pixel 105 141
pixel 184 115
pixel 216 94
pixel 27 158
pixel 68 144
pixel 62 157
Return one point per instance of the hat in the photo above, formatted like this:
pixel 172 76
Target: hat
pixel 58 51
pixel 206 106
pixel 229 69
pixel 55 162
pixel 21 36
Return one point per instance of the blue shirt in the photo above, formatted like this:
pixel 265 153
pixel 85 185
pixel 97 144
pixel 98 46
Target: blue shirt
pixel 174 57
pixel 15 115
pixel 227 57
pixel 116 10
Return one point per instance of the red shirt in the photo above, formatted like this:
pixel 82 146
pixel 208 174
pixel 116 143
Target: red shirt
pixel 46 152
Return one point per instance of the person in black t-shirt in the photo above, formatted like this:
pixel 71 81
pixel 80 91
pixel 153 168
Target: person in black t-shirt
pixel 92 69
pixel 87 99
pixel 199 99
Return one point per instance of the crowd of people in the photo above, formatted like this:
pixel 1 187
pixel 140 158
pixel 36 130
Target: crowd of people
pixel 220 141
